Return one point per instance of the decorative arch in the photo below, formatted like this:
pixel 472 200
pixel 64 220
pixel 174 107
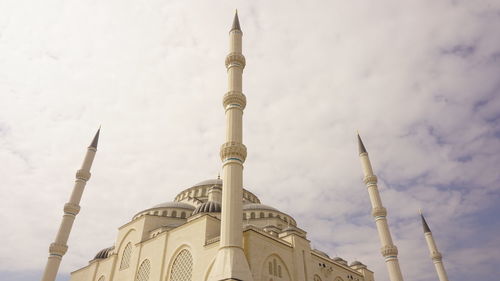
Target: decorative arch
pixel 182 267
pixel 274 268
pixel 317 278
pixel 126 238
pixel 143 272
pixel 127 253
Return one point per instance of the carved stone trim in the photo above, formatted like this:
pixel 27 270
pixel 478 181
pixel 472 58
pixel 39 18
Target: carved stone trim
pixel 234 97
pixel 370 180
pixel 436 256
pixel 71 208
pixel 82 175
pixel 233 150
pixel 58 249
pixel 379 212
pixel 235 59
pixel 389 250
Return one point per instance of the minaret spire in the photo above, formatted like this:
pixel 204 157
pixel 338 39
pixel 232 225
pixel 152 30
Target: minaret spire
pixel 436 256
pixel 361 146
pixel 388 250
pixel 424 223
pixel 236 22
pixel 71 209
pixel 230 263
pixel 95 140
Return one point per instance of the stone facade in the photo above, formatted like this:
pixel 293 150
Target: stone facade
pixel 176 245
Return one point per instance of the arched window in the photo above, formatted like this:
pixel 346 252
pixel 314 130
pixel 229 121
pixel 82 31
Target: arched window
pixel 101 278
pixel 143 272
pixel 156 213
pixel 270 215
pixel 261 215
pixel 183 215
pixel 276 271
pixel 127 252
pixel 164 213
pixel 182 268
pixel 252 215
pixel 244 216
pixel 174 214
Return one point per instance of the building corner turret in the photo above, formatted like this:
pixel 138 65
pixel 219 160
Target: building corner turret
pixel 230 262
pixel 389 250
pixel 71 209
pixel 435 255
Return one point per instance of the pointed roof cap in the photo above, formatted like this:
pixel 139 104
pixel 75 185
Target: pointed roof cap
pixel 361 146
pixel 236 22
pixel 424 224
pixel 96 139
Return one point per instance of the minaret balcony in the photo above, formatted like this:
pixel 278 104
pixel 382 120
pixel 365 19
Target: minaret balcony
pixel 235 59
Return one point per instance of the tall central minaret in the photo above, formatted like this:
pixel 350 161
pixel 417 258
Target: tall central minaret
pixel 388 250
pixel 230 263
pixel 436 256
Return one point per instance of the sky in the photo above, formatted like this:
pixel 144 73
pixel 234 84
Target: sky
pixel 418 79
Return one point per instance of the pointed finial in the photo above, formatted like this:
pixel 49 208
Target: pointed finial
pixel 424 223
pixel 361 146
pixel 236 22
pixel 96 139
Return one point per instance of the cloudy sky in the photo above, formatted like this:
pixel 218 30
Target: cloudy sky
pixel 419 80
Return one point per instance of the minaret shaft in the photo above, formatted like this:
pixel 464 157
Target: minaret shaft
pixel 388 250
pixel 71 209
pixel 436 256
pixel 230 263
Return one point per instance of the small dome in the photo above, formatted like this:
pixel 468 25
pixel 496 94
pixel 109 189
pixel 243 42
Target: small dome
pixel 356 263
pixel 208 207
pixel 179 205
pixel 104 253
pixel 209 182
pixel 321 253
pixel 255 206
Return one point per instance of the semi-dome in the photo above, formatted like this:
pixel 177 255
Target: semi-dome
pixel 255 206
pixel 104 253
pixel 208 207
pixel 179 205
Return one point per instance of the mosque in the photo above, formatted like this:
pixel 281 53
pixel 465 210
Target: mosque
pixel 217 230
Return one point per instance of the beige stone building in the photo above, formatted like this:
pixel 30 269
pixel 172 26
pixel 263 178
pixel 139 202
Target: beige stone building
pixel 179 241
pixel 216 229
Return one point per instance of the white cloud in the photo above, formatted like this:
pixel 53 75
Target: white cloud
pixel 419 80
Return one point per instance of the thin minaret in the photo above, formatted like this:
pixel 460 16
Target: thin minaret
pixel 436 256
pixel 71 209
pixel 230 263
pixel 388 250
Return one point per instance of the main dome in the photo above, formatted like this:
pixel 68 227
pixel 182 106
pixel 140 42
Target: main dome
pixel 198 193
